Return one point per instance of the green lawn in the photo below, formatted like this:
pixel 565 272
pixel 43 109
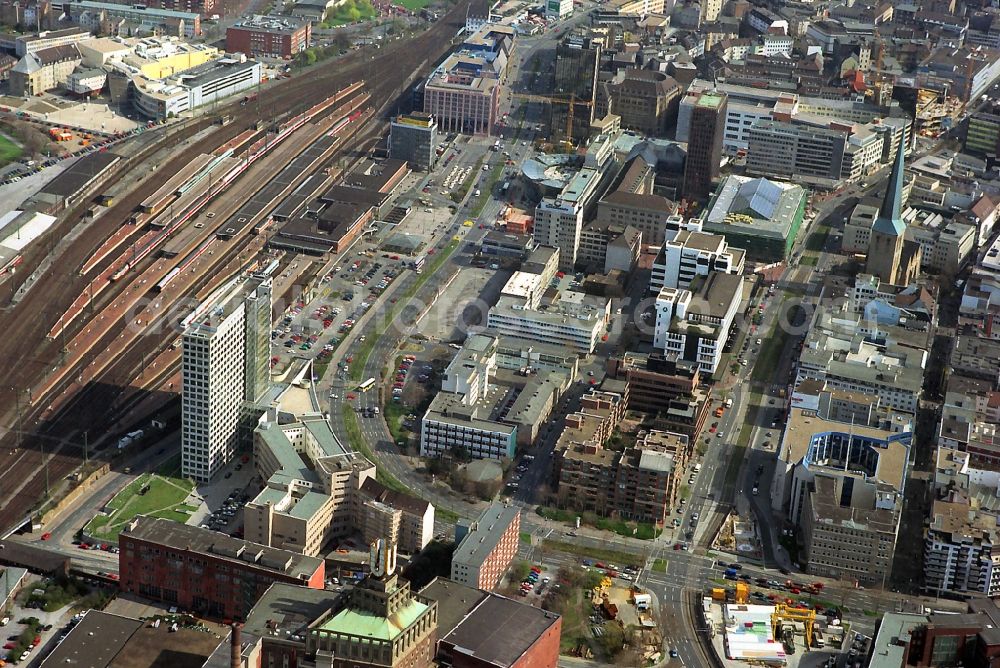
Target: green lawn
pixel 395 413
pixel 772 347
pixel 592 552
pixel 351 11
pixel 486 192
pixel 414 5
pixel 9 151
pixel 809 260
pixel 660 566
pixel 164 498
pixel 620 527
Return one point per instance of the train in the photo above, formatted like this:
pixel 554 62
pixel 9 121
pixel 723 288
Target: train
pixel 171 275
pixel 343 122
pixel 121 272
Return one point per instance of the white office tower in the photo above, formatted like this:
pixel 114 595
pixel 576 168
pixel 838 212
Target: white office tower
pixel 226 347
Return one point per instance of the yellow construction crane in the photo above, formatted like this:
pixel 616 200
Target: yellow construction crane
pixel 566 98
pixel 785 613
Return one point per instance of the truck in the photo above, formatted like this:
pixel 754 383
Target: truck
pixel 730 574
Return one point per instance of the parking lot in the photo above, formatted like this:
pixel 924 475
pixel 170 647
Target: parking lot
pixel 463 304
pixel 223 500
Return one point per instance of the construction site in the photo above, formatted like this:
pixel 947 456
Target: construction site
pixel 780 634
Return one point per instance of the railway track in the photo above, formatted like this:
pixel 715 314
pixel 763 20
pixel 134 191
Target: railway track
pixel 27 354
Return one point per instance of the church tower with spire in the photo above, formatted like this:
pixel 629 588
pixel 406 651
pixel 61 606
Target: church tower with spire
pixel 890 257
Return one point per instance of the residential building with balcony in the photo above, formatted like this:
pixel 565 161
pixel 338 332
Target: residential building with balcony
pixel 692 254
pixel 961 555
pixel 695 323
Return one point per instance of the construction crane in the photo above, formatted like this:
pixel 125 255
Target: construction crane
pixel 569 98
pixel 786 613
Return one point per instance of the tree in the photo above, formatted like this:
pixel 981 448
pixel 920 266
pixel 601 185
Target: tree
pixel 519 570
pixel 613 639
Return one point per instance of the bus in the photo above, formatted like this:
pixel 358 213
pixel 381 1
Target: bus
pixel 366 385
pixel 418 264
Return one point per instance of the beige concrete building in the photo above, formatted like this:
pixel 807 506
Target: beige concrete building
pixel 44 69
pixel 317 490
pixel 301 509
pixel 842 483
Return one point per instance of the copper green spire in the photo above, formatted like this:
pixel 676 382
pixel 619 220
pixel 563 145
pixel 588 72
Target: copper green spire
pixel 890 215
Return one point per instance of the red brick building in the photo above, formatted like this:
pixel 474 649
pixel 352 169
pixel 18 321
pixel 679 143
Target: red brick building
pixel 502 633
pixel 269 36
pixel 969 639
pixel 206 8
pixel 485 552
pixel 206 572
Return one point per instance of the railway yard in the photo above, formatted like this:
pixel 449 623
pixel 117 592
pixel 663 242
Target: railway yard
pixel 89 316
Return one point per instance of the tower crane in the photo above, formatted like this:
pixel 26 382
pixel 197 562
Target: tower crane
pixel 566 98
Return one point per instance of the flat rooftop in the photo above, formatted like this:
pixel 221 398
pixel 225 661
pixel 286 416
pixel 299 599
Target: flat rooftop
pixel 486 534
pixel 104 640
pixel 499 630
pixel 455 601
pixel 755 206
pixel 185 538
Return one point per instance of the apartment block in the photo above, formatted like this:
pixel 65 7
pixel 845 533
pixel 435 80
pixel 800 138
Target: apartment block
pixel 203 571
pixel 665 386
pixel 982 135
pixel 606 248
pixel 745 105
pixel 574 320
pixel 316 490
pixel 961 555
pixel 412 521
pixel 708 121
pixel 639 483
pixel 646 100
pixel 786 150
pixel 646 212
pixel 695 323
pixel 848 354
pixel 692 254
pixel 559 218
pixel 841 484
pixel 97 16
pixel 225 373
pixel 269 36
pixel 451 424
pixel 43 69
pixel 47 39
pixel 487 548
